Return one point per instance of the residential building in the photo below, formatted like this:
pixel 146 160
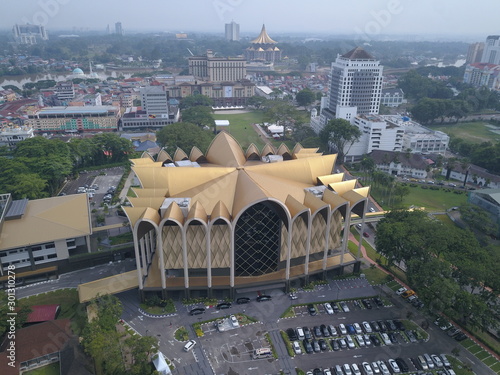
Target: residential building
pixel 155 101
pixel 11 135
pixel 376 134
pixel 392 97
pixel 491 53
pixel 232 31
pixel 7 96
pixel 355 86
pixel 473 174
pixel 483 75
pixel 217 69
pixel 74 119
pixel 29 34
pixel 118 28
pixel 489 200
pixel 400 164
pixel 263 48
pixel 65 91
pixel 231 221
pixel 474 53
pixel 39 345
pixel 37 234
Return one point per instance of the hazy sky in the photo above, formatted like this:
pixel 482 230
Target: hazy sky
pixel 367 18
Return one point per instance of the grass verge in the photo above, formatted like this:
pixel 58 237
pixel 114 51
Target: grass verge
pixel 271 345
pixel 52 369
pixel 181 334
pixel 288 344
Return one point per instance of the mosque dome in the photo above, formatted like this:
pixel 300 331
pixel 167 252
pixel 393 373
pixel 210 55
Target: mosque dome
pixel 78 71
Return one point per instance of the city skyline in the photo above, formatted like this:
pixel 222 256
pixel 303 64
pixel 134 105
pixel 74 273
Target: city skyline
pixel 366 19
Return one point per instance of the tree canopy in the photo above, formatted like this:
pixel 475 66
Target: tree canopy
pixel 184 135
pixel 196 100
pixel 449 268
pixel 341 135
pixel 199 115
pixel 305 97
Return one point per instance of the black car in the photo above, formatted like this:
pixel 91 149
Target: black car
pixel 325 331
pixel 292 335
pixel 322 344
pixel 335 308
pixel 242 300
pixel 382 326
pixel 318 371
pixel 390 325
pixel 307 333
pixel 335 345
pixel 307 346
pixel 375 326
pixel 317 331
pixel 399 325
pixel 222 306
pixel 402 364
pixel 311 309
pixel 367 303
pixel 393 338
pixel 197 311
pixel 460 337
pixel 264 298
pixel 378 302
pixel 375 340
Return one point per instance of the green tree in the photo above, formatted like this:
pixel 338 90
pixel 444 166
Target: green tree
pixel 199 115
pixel 305 97
pixel 27 185
pixel 142 349
pixel 401 191
pixel 478 219
pixel 341 135
pixel 256 101
pixel 185 136
pixel 195 100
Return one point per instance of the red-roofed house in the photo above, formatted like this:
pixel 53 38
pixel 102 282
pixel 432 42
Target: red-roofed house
pixel 43 313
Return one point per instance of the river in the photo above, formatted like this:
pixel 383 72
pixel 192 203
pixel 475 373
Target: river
pixel 19 81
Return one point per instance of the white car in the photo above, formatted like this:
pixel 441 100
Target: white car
pixel 234 321
pixel 328 309
pixel 327 372
pixel 445 361
pixel 367 327
pixel 300 333
pixel 401 291
pixel 332 330
pixel 355 369
pixel 342 329
pixel 347 369
pixel 376 368
pixel 350 342
pixel 394 366
pixel 344 306
pixel 386 339
pixel 360 340
pixel 372 209
pixel 367 368
pixel 296 347
pixel 383 368
pixel 368 342
pixel 437 360
pixel 189 345
pixel 358 329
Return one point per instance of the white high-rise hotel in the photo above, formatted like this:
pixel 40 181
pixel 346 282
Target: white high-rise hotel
pixel 355 86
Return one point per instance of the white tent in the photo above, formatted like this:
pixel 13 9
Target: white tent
pixel 276 129
pixel 221 122
pixel 161 365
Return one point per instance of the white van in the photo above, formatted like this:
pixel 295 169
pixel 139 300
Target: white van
pixel 189 345
pixel 300 333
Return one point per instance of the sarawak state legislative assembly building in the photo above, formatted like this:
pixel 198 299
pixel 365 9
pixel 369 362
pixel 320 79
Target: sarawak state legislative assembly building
pixel 231 221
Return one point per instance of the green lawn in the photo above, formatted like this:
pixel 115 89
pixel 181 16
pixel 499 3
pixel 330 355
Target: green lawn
pixel 430 200
pixel 445 220
pixel 458 366
pixel 476 132
pixel 52 369
pixel 375 276
pixel 241 127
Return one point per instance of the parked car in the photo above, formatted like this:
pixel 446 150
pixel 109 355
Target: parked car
pixel 307 333
pixel 358 329
pixel 335 345
pixel 322 344
pixel 292 335
pixel 328 309
pixel 375 326
pixel 343 343
pixel 445 361
pixel 222 306
pixel 403 366
pixel 383 368
pixel 360 340
pixel 407 294
pixel 344 306
pixel 300 333
pixel 394 366
pixel 376 368
pixel 367 327
pixel 324 330
pixel 375 340
pixel 355 369
pixel 317 331
pixel 399 325
pixel 411 336
pixel 386 339
pixel 296 347
pixel 437 360
pixel 401 291
pixel 264 298
pixel 422 363
pixel 315 346
pixel 311 309
pixel 350 329
pixel 342 329
pixel 234 321
pixel 332 330
pixel 350 342
pixel 307 346
pixel 365 234
pixel 367 368
pixel 242 300
pixel 378 301
pixel 197 311
pixel 367 304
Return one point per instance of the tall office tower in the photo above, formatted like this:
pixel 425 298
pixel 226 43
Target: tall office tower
pixel 232 31
pixel 491 53
pixel 155 101
pixel 475 53
pixel 118 28
pixel 355 86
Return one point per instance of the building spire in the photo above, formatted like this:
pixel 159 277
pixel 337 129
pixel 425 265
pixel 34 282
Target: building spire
pixel 263 38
